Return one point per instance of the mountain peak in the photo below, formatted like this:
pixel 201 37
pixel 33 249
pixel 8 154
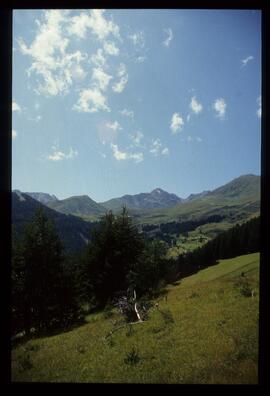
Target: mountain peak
pixel 44 198
pixel 157 191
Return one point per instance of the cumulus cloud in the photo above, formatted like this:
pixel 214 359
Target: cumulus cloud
pixel 122 155
pixel 259 111
pixel 137 138
pixel 220 107
pixel 114 125
pixel 55 65
pixel 98 58
pixel 95 21
pixel 110 48
pixel 16 107
pixel 101 78
pixel 165 151
pixel 177 123
pixel 140 59
pixel 246 60
pixel 58 155
pixel 195 106
pixel 127 113
pixel 90 101
pixel 14 134
pixel 169 34
pixel 122 74
pixel 156 148
pixel 51 62
pixel 137 39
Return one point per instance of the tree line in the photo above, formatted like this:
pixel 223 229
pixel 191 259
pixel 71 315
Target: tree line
pixel 51 288
pixel 238 240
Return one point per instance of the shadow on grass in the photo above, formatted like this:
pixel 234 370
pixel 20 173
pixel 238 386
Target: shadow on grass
pixel 23 338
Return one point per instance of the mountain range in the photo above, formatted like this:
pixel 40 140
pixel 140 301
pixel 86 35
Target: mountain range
pixel 44 198
pixel 73 231
pixel 235 201
pixel 158 200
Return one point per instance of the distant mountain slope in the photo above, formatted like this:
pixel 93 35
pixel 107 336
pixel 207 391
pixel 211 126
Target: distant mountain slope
pixel 192 197
pixel 78 205
pixel 157 198
pixel 73 231
pixel 241 187
pixel 236 200
pixel 42 197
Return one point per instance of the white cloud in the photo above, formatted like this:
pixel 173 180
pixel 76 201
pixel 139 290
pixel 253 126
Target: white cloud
pixel 50 60
pixel 110 48
pixel 98 58
pixel 121 155
pixel 156 148
pixel 122 70
pixel 101 78
pixel 16 107
pixel 137 157
pixel 14 134
pixel 127 113
pixel 119 86
pixel 55 67
pixel 246 60
pixel 138 39
pixel 77 72
pixel 95 22
pixel 169 37
pixel 140 59
pixel 165 151
pixel 259 111
pixel 114 125
pixel 93 97
pixel 188 117
pixel 136 138
pixel 177 123
pixel 220 107
pixel 58 155
pixel 195 106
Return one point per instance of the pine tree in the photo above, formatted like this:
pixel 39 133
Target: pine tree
pixel 38 275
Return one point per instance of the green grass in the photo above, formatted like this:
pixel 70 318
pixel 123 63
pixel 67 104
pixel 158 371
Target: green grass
pixel 206 331
pixel 233 209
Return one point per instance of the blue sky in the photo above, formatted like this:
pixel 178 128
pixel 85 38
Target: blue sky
pixel 107 103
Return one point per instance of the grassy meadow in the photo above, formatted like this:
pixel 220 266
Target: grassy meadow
pixel 203 330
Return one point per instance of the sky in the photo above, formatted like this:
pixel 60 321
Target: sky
pixel 114 102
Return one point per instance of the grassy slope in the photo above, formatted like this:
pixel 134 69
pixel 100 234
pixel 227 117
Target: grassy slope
pixel 213 337
pixel 206 206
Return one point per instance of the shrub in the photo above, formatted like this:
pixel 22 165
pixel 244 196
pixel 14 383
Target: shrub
pixel 25 362
pixel 246 290
pixel 130 331
pixel 132 357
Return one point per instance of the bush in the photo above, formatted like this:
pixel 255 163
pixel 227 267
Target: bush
pixel 246 290
pixel 132 357
pixel 25 362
